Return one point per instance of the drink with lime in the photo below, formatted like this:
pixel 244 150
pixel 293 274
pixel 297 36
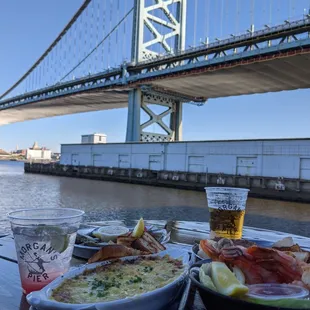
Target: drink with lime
pixel 44 240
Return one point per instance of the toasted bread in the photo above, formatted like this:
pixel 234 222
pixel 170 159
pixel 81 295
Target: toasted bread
pixel 115 251
pixel 293 248
pixel 125 240
pixel 148 243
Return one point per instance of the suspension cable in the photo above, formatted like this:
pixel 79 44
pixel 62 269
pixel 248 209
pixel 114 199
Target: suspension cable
pixel 95 48
pixel 62 33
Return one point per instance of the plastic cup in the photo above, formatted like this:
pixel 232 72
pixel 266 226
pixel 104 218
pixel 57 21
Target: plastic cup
pixel 227 208
pixel 44 240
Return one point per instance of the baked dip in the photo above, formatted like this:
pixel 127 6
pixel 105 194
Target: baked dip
pixel 118 280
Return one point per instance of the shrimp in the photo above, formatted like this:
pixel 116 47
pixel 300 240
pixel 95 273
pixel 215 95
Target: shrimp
pixel 259 265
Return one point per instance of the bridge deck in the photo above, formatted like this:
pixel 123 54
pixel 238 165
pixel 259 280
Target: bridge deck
pixel 256 75
pixel 78 103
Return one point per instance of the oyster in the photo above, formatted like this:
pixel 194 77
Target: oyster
pixel 86 240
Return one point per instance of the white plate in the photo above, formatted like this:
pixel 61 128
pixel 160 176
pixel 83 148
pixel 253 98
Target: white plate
pixel 86 252
pixel 154 300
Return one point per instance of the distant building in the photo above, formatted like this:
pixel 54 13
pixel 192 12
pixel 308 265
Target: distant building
pixel 94 138
pixel 3 153
pixel 20 152
pixel 55 156
pixel 37 153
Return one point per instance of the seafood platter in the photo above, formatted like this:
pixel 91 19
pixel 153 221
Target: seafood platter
pixel 247 275
pixel 129 267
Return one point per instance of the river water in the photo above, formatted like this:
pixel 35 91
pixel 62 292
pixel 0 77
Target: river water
pixel 109 201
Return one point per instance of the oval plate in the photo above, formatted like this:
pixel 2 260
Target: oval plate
pixel 86 252
pixel 156 299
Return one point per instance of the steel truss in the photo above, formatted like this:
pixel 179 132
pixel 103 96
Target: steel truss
pixel 145 17
pixel 244 45
pixel 172 129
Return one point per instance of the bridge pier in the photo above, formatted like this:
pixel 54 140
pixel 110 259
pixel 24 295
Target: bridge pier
pixel 167 39
pixel 142 101
pixel 133 133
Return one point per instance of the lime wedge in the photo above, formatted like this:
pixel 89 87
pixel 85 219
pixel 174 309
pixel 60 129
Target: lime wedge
pixel 225 281
pixel 58 240
pixel 60 243
pixel 139 229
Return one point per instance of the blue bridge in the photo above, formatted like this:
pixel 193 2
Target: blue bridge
pixel 134 53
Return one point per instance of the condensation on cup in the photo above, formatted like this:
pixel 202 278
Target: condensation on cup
pixel 44 241
pixel 227 209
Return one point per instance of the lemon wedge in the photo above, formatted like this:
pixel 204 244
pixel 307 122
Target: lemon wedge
pixel 139 229
pixel 206 280
pixel 225 281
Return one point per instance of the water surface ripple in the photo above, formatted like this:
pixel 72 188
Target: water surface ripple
pixel 109 201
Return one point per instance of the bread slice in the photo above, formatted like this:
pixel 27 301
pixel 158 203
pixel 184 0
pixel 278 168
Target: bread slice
pixel 293 248
pixel 115 251
pixel 148 243
pixel 125 240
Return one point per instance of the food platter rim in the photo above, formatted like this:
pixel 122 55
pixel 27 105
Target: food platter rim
pixel 41 298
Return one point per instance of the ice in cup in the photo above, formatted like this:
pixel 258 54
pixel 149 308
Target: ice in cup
pixel 44 240
pixel 227 208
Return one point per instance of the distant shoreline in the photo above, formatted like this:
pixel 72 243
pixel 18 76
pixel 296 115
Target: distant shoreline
pixel 12 159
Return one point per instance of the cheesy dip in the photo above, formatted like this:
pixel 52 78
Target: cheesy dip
pixel 118 280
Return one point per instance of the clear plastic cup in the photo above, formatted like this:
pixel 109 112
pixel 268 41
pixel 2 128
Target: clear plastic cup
pixel 227 208
pixel 44 240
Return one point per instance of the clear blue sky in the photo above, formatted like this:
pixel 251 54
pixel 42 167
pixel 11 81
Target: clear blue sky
pixel 28 27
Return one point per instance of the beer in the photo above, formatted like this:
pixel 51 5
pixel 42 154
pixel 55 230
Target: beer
pixel 227 209
pixel 227 224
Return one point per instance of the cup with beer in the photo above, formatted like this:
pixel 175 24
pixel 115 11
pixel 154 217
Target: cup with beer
pixel 227 208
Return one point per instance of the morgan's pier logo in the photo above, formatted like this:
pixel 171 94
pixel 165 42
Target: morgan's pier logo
pixel 36 256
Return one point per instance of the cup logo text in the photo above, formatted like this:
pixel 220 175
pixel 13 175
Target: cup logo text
pixel 37 256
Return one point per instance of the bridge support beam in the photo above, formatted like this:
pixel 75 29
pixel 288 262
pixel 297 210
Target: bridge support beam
pixel 133 132
pixel 169 38
pixel 169 121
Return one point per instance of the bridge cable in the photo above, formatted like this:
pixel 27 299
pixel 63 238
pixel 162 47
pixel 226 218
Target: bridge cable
pixel 103 30
pixel 110 27
pixel 91 36
pixel 207 3
pixel 62 33
pixel 96 47
pixel 124 41
pixel 237 19
pixel 208 25
pixel 221 17
pixel 270 14
pixel 85 38
pixel 97 36
pixel 195 23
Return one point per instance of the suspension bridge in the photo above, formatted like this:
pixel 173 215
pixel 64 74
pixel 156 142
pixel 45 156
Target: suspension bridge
pixel 141 53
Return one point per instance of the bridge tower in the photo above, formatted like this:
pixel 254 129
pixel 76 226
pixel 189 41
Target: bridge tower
pixel 166 22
